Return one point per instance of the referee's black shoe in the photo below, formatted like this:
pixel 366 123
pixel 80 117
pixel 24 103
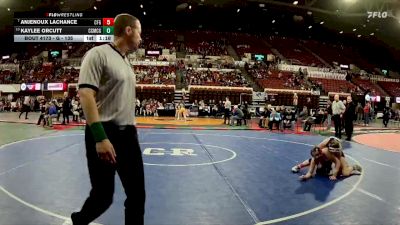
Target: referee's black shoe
pixel 75 219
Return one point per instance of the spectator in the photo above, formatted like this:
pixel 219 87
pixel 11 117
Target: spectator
pixel 26 107
pixel 274 118
pixel 329 114
pixel 367 113
pixel 338 109
pixel 42 114
pixel 52 113
pixel 386 116
pixel 237 115
pixel 349 115
pixel 360 112
pixel 227 108
pixel 66 108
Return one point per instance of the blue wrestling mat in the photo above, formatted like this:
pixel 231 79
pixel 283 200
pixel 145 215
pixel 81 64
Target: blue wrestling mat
pixel 202 178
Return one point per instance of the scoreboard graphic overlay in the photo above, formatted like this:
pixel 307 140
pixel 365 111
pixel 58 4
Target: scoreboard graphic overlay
pixel 62 27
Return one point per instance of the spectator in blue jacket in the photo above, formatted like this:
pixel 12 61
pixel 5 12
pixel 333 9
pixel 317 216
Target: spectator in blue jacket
pixel 52 113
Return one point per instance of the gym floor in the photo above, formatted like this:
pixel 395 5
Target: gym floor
pixel 193 177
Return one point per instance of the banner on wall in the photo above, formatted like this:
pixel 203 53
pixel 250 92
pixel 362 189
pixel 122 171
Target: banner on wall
pixel 55 87
pixel 259 96
pixel 149 63
pixel 375 98
pixel 153 52
pixel 31 86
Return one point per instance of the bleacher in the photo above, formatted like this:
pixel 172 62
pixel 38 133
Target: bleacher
pixel 283 81
pixel 329 53
pixel 219 94
pixel 392 88
pixel 268 78
pixel 336 53
pixel 159 39
pixel 291 50
pixel 368 85
pixel 155 92
pixel 205 43
pixel 246 43
pixel 331 85
pixel 7 77
pixel 155 74
pixel 215 78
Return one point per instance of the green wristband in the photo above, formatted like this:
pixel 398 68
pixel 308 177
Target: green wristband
pixel 98 131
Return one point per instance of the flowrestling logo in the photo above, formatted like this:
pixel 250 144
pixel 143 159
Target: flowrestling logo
pixel 378 14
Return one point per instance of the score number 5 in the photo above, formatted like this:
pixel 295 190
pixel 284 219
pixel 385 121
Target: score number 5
pixel 108 21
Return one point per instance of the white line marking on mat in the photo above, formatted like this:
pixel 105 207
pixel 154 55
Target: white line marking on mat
pixel 370 194
pixel 379 163
pixel 11 195
pixel 38 138
pixel 67 222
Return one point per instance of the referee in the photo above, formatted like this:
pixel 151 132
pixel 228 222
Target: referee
pixel 107 93
pixel 338 109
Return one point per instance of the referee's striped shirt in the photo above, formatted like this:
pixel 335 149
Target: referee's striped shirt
pixel 110 74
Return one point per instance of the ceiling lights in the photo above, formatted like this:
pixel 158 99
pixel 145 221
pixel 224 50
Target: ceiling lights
pixel 322 22
pixel 341 32
pixel 350 1
pixel 238 10
pixel 141 6
pixel 372 34
pixel 309 27
pixel 354 29
pixel 359 35
pixel 295 2
pixel 273 21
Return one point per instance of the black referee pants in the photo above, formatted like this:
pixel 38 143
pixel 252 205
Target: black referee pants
pixel 338 125
pixel 25 109
pixel 227 115
pixel 129 167
pixel 349 127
